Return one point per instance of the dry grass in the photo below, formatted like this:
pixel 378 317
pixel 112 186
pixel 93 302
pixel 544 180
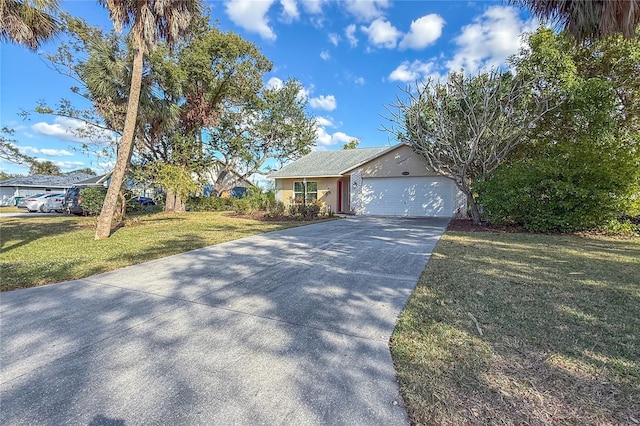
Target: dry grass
pixel 559 317
pixel 38 250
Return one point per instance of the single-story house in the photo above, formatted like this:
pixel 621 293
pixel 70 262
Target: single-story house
pixel 388 181
pixel 16 188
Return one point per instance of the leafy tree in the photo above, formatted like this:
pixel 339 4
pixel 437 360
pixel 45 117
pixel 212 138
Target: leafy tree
pixel 196 83
pixel 87 171
pixel 581 165
pixel 28 22
pixel 587 19
pixel 44 168
pixel 6 176
pixel 273 126
pixel 150 21
pixel 352 144
pixel 9 151
pixel 467 127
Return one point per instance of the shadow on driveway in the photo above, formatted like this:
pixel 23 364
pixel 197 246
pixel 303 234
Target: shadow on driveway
pixel 288 327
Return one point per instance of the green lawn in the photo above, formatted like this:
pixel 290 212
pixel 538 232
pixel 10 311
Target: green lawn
pixel 41 250
pixel 559 318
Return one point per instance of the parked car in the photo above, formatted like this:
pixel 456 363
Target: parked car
pixel 22 203
pixel 144 201
pixel 73 201
pixel 54 204
pixel 38 202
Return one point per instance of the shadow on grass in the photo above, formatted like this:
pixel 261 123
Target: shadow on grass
pixel 558 316
pixel 20 231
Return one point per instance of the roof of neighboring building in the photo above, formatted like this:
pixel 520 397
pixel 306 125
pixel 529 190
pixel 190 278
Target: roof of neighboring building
pixel 328 163
pixel 94 180
pixel 49 180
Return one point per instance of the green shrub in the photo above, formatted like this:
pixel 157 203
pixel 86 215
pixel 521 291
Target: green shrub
pixel 275 210
pixel 306 211
pixel 244 205
pixel 575 186
pixel 92 199
pixel 622 227
pixel 208 204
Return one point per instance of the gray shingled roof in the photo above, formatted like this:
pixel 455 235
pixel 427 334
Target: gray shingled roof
pixel 327 163
pixel 47 180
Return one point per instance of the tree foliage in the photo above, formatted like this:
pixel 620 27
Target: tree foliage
pixel 28 22
pixel 44 168
pixel 589 19
pixel 274 125
pixel 9 151
pixel 467 126
pixel 150 21
pixel 352 144
pixel 581 165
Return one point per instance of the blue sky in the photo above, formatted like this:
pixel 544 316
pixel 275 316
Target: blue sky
pixel 352 57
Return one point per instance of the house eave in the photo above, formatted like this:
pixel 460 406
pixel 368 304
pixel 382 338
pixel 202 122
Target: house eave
pixel 386 151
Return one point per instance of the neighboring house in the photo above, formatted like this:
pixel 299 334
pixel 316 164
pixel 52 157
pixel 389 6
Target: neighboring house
pixel 389 181
pixel 16 188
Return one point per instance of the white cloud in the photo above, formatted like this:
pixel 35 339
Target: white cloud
pixel 382 34
pixel 64 165
pixel 324 122
pixel 252 16
pixel 289 10
pixel 274 83
pixel 359 81
pixel 350 34
pixel 313 7
pixel 56 152
pixel 325 55
pixel 490 39
pixel 334 38
pixel 327 103
pixel 366 10
pixel 27 149
pixel 324 138
pixel 409 72
pixel 424 31
pixel 69 129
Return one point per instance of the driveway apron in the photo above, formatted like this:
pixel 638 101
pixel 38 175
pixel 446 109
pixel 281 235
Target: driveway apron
pixel 288 327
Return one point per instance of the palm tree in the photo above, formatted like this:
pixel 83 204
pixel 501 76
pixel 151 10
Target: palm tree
pixel 150 22
pixel 589 18
pixel 28 22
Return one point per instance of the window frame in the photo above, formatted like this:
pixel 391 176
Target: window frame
pixel 303 193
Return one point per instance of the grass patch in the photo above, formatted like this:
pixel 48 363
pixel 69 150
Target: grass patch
pixel 41 250
pixel 11 209
pixel 559 317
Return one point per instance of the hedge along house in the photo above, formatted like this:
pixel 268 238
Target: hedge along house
pixel 386 181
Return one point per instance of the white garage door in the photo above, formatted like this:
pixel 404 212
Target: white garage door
pixel 410 196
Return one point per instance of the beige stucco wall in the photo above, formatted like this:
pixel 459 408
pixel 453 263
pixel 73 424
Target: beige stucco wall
pixel 327 190
pixel 394 163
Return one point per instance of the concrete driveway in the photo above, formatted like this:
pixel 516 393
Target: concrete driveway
pixel 289 327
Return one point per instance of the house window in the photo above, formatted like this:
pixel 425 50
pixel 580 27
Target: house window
pixel 305 192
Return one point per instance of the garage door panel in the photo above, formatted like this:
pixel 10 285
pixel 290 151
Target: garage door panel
pixel 418 196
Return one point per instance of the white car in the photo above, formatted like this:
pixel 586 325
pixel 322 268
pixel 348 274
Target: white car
pixel 55 203
pixel 44 202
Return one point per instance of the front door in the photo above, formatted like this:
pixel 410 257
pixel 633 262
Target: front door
pixel 339 196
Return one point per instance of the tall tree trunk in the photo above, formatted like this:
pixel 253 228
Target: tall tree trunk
pixel 173 203
pixel 476 217
pixel 103 228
